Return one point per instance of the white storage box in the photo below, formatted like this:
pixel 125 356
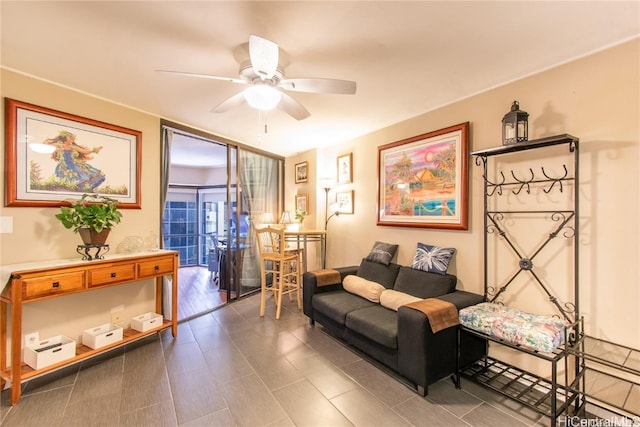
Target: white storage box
pixel 49 352
pixel 146 321
pixel 102 335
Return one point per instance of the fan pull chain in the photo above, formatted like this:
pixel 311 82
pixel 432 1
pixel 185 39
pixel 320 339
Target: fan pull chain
pixel 260 124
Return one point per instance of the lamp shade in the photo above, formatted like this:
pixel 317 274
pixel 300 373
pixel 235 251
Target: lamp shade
pixel 262 96
pixel 326 184
pixel 267 218
pixel 287 217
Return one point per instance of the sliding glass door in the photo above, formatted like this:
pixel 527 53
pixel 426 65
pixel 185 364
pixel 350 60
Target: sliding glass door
pixel 214 194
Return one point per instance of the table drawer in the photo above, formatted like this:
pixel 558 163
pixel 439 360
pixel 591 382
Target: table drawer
pixel 113 274
pixel 156 267
pixel 52 285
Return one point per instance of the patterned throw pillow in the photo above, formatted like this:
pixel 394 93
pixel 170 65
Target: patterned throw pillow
pixel 432 258
pixel 382 253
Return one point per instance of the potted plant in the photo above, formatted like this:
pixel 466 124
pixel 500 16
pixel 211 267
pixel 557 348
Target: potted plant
pixel 300 215
pixel 92 216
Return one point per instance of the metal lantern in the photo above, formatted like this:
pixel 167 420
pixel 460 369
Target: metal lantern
pixel 515 125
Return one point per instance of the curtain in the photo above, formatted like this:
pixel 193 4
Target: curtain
pixel 259 196
pixel 167 137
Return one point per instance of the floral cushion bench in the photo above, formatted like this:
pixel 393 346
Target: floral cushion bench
pixel 532 331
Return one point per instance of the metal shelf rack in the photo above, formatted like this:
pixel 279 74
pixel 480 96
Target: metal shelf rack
pixel 612 373
pixel 552 395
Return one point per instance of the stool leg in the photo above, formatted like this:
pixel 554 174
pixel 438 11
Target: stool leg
pixel 290 266
pixel 299 283
pixel 279 290
pixel 263 290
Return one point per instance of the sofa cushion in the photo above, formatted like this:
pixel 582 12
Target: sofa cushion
pixel 336 304
pixel 393 299
pixel 379 273
pixel 376 323
pixel 363 287
pixel 382 253
pixel 424 285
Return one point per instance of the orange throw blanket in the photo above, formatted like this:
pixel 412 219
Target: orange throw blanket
pixel 327 277
pixel 441 314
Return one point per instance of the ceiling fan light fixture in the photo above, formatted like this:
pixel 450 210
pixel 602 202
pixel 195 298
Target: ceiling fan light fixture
pixel 262 97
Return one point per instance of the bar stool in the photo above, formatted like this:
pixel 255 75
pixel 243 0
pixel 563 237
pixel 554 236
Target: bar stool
pixel 284 266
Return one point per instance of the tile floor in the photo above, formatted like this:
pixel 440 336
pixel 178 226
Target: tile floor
pixel 233 368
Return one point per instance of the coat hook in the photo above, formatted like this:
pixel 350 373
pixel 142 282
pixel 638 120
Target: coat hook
pixel 523 183
pixel 496 187
pixel 555 180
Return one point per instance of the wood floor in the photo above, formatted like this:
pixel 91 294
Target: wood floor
pixel 197 293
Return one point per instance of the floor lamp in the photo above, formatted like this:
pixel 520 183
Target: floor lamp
pixel 334 209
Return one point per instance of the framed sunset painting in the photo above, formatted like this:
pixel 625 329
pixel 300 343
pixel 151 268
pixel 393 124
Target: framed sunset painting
pixel 423 180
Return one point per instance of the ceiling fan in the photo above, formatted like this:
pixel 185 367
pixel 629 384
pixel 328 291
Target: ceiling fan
pixel 262 66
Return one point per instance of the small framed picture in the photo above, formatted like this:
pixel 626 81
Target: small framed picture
pixel 302 203
pixel 345 169
pixel 344 199
pixel 302 172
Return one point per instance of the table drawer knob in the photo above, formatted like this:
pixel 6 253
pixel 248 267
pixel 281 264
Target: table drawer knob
pixel 113 275
pixel 55 285
pixel 156 268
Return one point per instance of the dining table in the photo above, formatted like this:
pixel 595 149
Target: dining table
pixel 304 236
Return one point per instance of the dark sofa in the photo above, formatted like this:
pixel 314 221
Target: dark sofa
pixel 401 340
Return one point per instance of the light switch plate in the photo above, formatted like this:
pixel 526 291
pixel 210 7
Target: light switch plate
pixel 6 224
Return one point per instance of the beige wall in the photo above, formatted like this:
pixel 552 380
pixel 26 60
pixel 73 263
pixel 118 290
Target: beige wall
pixel 315 218
pixel 596 99
pixel 37 235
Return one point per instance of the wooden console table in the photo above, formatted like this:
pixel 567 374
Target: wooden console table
pixel 31 282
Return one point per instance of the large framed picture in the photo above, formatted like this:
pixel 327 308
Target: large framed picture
pixel 423 180
pixel 51 156
pixel 302 172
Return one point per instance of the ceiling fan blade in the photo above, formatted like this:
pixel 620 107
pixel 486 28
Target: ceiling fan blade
pixel 293 107
pixel 264 56
pixel 345 87
pixel 204 76
pixel 229 103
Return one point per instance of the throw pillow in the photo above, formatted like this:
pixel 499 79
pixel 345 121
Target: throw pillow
pixel 432 258
pixel 363 287
pixel 393 299
pixel 382 253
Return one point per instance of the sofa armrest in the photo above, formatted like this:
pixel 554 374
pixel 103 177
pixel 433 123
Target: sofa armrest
pixel 310 287
pixel 462 299
pixel 424 357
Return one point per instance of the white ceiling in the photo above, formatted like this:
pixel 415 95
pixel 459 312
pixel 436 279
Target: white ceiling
pixel 406 57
